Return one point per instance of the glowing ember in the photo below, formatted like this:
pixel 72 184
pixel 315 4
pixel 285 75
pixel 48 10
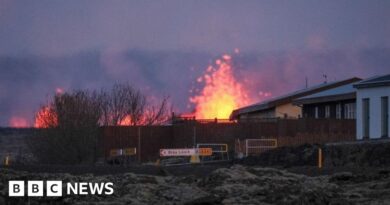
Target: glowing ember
pixel 221 92
pixel 45 118
pixel 18 122
pixel 59 91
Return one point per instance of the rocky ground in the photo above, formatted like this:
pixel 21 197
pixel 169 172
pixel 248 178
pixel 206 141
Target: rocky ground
pixel 374 153
pixel 353 173
pixel 233 185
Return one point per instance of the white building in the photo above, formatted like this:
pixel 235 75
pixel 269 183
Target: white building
pixel 372 105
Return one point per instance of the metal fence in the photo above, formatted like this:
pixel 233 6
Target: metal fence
pixel 258 146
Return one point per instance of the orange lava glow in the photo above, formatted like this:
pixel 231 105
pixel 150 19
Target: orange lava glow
pixel 18 122
pixel 45 118
pixel 221 93
pixel 126 121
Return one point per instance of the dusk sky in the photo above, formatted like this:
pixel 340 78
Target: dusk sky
pixel 50 27
pixel 163 47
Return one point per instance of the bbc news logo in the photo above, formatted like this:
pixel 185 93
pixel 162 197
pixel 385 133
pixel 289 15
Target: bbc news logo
pixel 55 189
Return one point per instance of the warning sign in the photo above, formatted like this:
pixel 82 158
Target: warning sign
pixel 123 152
pixel 205 151
pixel 115 152
pixel 130 151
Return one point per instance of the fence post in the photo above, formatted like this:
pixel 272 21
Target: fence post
pixel 320 157
pixel 6 161
pixel 246 147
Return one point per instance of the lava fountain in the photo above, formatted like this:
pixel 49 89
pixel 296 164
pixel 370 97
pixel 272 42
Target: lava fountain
pixel 45 118
pixel 221 92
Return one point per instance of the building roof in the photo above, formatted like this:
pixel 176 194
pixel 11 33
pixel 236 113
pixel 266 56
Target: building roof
pixel 288 98
pixel 376 81
pixel 344 92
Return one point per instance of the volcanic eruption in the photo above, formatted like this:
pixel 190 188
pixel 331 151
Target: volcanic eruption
pixel 221 92
pixel 45 118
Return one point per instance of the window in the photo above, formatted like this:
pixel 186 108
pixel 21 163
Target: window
pixel 327 111
pixel 316 112
pixel 349 111
pixel 338 111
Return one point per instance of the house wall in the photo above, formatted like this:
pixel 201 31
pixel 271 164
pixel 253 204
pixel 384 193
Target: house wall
pixel 289 109
pixel 374 94
pixel 270 113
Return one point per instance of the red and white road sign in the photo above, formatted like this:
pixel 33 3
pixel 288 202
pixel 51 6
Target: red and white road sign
pixel 185 152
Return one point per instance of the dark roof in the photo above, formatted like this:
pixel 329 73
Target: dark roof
pixel 344 92
pixel 375 81
pixel 288 98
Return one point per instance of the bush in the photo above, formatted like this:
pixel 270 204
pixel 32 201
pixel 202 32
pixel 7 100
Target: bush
pixel 70 129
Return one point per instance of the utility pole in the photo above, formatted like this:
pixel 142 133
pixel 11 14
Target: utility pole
pixel 306 82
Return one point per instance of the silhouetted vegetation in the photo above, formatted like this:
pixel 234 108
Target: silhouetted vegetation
pixel 125 105
pixel 71 122
pixel 71 130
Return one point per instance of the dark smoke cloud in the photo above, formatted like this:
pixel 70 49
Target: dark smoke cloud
pixel 27 82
